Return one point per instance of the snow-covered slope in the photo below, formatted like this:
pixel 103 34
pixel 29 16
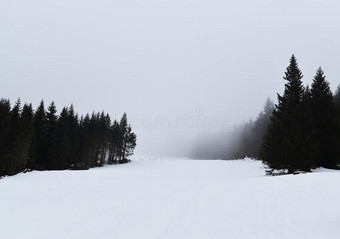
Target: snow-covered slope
pixel 170 199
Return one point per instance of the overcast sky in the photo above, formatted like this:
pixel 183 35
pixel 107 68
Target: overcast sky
pixel 163 58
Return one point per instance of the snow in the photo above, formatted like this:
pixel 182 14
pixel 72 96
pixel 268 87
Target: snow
pixel 163 199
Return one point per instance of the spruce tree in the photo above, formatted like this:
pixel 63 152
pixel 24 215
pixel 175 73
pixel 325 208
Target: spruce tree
pixel 324 113
pixel 284 145
pixel 130 143
pixel 260 127
pixel 114 136
pixel 12 141
pixel 122 138
pixel 307 148
pixel 43 140
pixel 26 137
pixel 61 142
pixel 73 127
pixel 5 115
pixel 38 153
pixel 51 153
pixel 85 143
pixel 127 140
pixel 337 107
pixel 337 99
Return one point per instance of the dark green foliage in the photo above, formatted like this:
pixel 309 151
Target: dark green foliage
pixel 12 141
pixel 114 143
pixel 337 100
pixel 51 146
pixel 290 142
pixel 25 137
pixel 5 116
pixel 122 141
pixel 38 151
pixel 324 114
pixel 44 140
pixel 337 107
pixel 128 140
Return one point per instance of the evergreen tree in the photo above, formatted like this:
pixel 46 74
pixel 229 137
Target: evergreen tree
pixel 122 138
pixel 284 145
pixel 337 107
pixel 337 99
pixel 127 140
pixel 130 143
pixel 12 141
pixel 103 141
pixel 307 146
pixel 61 149
pixel 43 140
pixel 38 153
pixel 260 127
pixel 324 113
pixel 113 142
pixel 73 126
pixel 51 152
pixel 85 143
pixel 5 115
pixel 66 132
pixel 26 137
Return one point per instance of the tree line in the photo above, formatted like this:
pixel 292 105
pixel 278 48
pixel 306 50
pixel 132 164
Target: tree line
pixel 304 129
pixel 43 140
pixel 299 133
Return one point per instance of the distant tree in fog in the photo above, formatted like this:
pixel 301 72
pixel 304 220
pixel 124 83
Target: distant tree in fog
pixel 242 141
pixel 260 128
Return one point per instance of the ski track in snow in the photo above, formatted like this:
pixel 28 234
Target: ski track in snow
pixel 165 199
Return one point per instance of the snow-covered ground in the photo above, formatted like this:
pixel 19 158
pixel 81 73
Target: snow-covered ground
pixel 170 199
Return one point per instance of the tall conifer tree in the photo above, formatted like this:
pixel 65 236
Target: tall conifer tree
pixel 285 140
pixel 324 113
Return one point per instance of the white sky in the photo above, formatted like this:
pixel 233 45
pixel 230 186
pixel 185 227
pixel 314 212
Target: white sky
pixel 154 58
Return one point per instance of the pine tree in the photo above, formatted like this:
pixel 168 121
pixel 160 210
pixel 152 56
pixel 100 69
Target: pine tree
pixel 51 153
pixel 114 134
pixel 287 134
pixel 337 99
pixel 85 143
pixel 307 148
pixel 38 153
pixel 61 142
pixel 26 137
pixel 127 140
pixel 103 130
pixel 43 140
pixel 337 107
pixel 73 126
pixel 122 138
pixel 260 127
pixel 12 141
pixel 5 116
pixel 324 113
pixel 130 143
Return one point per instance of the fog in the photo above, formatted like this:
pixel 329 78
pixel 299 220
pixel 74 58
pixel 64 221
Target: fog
pixel 179 68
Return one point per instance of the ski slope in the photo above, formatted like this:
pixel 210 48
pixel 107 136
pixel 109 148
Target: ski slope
pixel 162 198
